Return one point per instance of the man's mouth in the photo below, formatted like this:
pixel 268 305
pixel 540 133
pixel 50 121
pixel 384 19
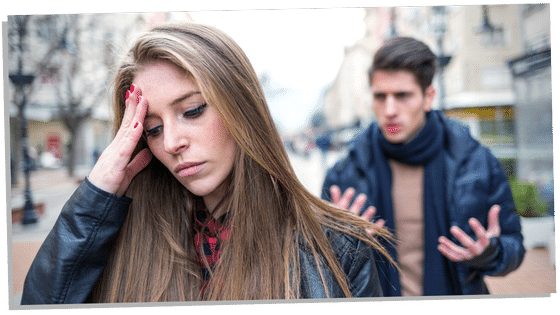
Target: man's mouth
pixel 393 128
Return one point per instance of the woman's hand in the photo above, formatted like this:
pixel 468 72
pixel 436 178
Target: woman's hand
pixel 114 169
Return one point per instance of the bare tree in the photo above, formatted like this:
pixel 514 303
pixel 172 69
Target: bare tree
pixel 84 77
pixel 23 61
pixel 67 50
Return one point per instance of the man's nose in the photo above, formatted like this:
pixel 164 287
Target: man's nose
pixel 390 106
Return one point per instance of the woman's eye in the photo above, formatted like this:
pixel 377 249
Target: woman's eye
pixel 196 112
pixel 153 132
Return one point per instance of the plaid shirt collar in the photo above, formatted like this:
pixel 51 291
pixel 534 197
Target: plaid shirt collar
pixel 209 235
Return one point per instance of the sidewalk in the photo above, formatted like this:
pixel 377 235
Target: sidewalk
pixel 52 187
pixel 536 275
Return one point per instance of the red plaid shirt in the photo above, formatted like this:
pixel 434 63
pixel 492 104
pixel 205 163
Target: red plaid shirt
pixel 210 232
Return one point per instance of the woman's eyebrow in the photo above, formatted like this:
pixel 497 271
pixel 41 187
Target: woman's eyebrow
pixel 184 97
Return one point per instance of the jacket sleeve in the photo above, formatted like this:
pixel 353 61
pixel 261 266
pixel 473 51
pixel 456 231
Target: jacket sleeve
pixel 512 251
pixel 488 179
pixel 74 254
pixel 359 264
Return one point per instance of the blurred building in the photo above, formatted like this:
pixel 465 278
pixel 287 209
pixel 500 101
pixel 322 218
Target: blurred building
pixel 87 57
pixel 531 70
pixel 496 76
pixel 348 99
pixel 478 83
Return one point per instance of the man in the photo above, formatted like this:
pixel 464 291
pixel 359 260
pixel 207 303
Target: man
pixel 426 179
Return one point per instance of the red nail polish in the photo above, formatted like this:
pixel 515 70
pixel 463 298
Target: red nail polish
pixel 127 94
pixel 135 125
pixel 137 99
pixel 131 88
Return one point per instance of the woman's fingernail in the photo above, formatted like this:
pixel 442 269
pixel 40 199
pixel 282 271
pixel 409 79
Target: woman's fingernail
pixel 137 99
pixel 127 94
pixel 132 88
pixel 135 125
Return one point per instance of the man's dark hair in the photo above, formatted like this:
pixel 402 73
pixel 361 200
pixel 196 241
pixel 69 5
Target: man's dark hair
pixel 405 53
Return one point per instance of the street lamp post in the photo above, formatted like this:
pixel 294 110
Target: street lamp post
pixel 492 34
pixel 393 26
pixel 439 27
pixel 20 81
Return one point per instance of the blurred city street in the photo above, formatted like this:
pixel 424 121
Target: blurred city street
pixel 537 274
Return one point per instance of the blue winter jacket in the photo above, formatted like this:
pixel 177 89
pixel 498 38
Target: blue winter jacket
pixel 74 254
pixel 475 182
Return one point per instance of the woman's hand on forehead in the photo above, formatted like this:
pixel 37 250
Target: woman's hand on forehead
pixel 116 167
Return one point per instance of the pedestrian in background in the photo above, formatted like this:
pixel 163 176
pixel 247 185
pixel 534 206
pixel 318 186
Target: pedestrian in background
pixel 195 198
pixel 423 176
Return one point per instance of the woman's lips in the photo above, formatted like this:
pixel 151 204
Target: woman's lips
pixel 188 169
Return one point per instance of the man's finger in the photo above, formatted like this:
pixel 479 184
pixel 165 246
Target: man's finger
pixel 480 232
pixel 462 237
pixel 335 194
pixel 358 204
pixel 344 202
pixel 448 243
pixel 368 214
pixel 379 223
pixel 473 247
pixel 449 253
pixel 452 250
pixel 494 221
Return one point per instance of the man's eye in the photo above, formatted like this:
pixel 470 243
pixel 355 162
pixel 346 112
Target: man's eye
pixel 196 112
pixel 153 132
pixel 402 95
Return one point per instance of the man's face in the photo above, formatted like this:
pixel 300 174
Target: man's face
pixel 399 104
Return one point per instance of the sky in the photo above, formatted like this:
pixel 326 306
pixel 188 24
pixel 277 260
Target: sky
pixel 300 49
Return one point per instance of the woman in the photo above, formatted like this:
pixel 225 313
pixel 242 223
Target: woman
pixel 195 198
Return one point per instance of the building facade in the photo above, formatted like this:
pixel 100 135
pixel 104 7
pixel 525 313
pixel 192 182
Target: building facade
pixel 532 77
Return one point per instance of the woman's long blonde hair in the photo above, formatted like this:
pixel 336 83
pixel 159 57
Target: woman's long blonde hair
pixel 271 214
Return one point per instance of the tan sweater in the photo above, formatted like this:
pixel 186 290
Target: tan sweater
pixel 408 204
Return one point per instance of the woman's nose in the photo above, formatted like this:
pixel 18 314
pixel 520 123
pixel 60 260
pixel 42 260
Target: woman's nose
pixel 174 140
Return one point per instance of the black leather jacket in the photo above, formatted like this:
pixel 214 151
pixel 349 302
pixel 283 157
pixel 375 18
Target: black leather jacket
pixel 74 254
